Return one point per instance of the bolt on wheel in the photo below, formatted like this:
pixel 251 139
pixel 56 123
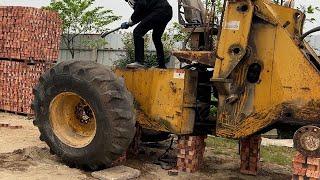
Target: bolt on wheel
pixel 307 141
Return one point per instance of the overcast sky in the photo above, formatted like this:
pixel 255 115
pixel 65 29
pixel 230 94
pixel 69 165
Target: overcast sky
pixel 121 8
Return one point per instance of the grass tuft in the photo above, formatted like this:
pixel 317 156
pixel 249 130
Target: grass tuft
pixel 270 154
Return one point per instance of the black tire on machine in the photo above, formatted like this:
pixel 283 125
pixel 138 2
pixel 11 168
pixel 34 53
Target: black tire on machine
pixel 84 113
pixel 307 141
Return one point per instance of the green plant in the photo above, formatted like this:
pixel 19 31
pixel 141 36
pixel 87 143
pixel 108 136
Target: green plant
pixel 177 34
pixel 309 10
pixel 278 155
pixel 214 109
pixel 80 17
pixel 129 51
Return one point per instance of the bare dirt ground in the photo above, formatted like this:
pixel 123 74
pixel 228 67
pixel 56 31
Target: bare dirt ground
pixel 24 156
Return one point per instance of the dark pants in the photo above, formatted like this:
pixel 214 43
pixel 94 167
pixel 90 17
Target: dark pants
pixel 156 21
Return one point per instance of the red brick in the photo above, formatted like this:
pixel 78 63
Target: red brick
pixel 15 127
pixel 313 161
pixel 299 171
pixel 190 154
pixel 250 155
pixel 313 174
pixel 4 125
pixel 17 80
pixel 299 158
pixel 30 33
pixel 305 167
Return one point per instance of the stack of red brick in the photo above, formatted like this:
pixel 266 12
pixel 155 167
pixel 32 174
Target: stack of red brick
pixel 17 80
pixel 29 45
pixel 306 167
pixel 191 152
pixel 250 155
pixel 29 34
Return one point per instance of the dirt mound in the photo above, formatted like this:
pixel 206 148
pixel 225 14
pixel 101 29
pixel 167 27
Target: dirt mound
pixel 35 162
pixel 37 154
pixel 22 159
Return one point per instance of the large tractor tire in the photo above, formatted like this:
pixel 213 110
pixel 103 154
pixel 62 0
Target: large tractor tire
pixel 84 113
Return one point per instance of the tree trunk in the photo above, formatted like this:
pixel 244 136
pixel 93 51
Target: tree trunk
pixel 72 53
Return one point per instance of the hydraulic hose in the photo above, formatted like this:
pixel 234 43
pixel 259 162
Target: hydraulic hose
pixel 309 32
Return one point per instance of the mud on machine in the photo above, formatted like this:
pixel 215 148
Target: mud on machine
pixel 254 61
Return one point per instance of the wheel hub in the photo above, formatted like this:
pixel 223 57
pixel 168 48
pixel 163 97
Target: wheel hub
pixel 72 119
pixel 83 112
pixel 307 141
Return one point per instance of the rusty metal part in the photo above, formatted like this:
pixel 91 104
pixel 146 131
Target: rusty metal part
pixel 194 40
pixel 83 112
pixel 202 57
pixel 194 30
pixel 236 51
pixel 307 141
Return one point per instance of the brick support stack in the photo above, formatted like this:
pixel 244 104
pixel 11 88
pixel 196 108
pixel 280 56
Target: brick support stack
pixel 250 155
pixel 305 168
pixel 190 153
pixel 29 45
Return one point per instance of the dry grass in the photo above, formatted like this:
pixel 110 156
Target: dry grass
pixel 271 154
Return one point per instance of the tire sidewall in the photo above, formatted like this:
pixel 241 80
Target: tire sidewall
pixel 101 140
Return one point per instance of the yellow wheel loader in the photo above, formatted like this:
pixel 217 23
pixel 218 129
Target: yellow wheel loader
pixel 260 69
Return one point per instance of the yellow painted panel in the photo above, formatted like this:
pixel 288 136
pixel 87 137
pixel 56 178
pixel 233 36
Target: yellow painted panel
pixel 294 78
pixel 164 98
pixel 292 19
pixel 264 54
pixel 235 31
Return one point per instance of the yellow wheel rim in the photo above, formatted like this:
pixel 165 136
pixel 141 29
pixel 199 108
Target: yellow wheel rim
pixel 72 119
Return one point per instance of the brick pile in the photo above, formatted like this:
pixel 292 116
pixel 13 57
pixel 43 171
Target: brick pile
pixel 29 34
pixel 190 153
pixel 17 80
pixel 305 167
pixel 29 45
pixel 250 155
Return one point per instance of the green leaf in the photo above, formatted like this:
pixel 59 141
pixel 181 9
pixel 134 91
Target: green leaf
pixel 310 9
pixel 80 17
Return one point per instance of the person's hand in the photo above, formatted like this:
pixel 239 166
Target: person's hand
pixel 125 25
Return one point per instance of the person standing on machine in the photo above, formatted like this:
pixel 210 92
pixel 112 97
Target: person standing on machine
pixel 151 15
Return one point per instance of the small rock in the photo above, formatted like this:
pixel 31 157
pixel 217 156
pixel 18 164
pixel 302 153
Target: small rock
pixel 173 172
pixel 166 166
pixel 117 173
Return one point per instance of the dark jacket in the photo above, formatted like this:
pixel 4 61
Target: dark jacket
pixel 143 8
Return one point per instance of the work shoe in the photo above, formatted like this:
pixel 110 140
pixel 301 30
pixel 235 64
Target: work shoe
pixel 135 65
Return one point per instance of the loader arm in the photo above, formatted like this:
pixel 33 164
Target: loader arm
pixel 264 75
